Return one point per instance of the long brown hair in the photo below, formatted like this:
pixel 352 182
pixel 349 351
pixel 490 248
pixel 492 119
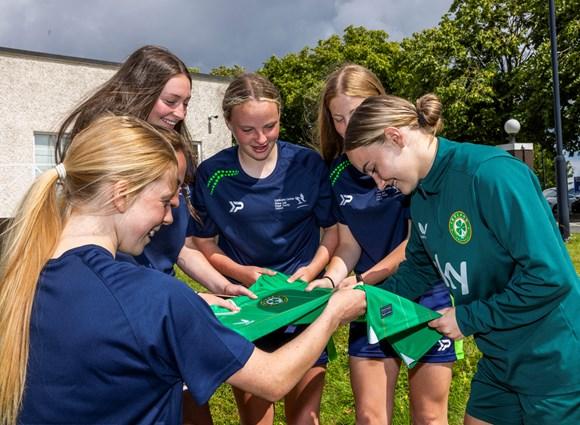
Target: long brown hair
pixel 133 90
pixel 348 80
pixel 111 149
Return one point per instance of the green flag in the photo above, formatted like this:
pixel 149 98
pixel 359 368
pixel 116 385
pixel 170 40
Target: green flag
pixel 279 304
pixel 401 321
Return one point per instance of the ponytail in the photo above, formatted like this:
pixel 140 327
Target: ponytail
pixel 29 242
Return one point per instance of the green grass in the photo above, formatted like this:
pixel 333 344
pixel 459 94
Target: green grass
pixel 337 399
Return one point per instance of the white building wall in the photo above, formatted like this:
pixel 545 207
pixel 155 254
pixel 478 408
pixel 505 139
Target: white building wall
pixel 37 92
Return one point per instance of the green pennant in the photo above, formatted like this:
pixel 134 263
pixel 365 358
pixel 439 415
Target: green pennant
pixel 401 321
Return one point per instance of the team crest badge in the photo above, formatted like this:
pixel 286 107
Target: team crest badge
pixel 274 300
pixel 460 227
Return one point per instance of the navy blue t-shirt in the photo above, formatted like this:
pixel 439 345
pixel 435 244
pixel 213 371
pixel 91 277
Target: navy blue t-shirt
pixel 378 219
pixel 113 343
pixel 272 222
pixel 163 250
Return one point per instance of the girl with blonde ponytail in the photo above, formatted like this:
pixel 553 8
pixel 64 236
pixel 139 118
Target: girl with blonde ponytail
pixel 481 223
pixel 88 339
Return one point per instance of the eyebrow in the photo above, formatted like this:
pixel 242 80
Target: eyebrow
pixel 177 96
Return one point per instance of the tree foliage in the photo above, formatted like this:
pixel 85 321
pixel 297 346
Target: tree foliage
pixel 300 76
pixel 228 71
pixel 488 61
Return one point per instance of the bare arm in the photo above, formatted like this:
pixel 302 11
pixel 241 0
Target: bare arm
pixel 346 256
pixel 273 375
pixel 246 275
pixel 195 265
pixel 327 246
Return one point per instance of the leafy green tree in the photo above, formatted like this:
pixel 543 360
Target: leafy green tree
pixel 473 61
pixel 228 71
pixel 300 76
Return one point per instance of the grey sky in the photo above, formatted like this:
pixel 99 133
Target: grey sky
pixel 204 33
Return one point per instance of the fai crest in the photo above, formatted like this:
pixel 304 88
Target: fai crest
pixel 460 227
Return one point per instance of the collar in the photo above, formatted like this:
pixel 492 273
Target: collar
pixel 433 181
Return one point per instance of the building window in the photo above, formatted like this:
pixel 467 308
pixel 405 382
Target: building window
pixel 44 144
pixel 196 148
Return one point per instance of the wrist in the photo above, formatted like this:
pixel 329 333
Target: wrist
pixel 359 279
pixel 331 280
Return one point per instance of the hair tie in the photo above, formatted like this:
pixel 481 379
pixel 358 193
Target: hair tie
pixel 421 119
pixel 61 171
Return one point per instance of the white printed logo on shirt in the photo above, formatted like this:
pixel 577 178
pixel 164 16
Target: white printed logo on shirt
pixel 298 201
pixel 236 206
pixel 345 199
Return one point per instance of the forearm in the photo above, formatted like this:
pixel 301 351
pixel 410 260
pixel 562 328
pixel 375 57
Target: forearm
pixel 386 267
pixel 345 257
pixel 194 264
pixel 273 375
pixel 322 255
pixel 216 257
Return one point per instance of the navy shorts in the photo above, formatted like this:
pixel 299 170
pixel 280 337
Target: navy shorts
pixel 443 351
pixel 278 338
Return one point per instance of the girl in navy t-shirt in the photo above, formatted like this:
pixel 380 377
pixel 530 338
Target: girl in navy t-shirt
pixel 266 201
pixel 88 339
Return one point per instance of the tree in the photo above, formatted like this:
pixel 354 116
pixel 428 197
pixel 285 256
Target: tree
pixel 472 61
pixel 300 76
pixel 228 71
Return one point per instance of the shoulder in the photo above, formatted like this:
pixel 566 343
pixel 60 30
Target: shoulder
pixel 225 159
pixel 338 168
pixel 301 155
pixel 472 159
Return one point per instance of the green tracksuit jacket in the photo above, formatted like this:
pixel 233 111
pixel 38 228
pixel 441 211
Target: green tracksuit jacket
pixel 480 221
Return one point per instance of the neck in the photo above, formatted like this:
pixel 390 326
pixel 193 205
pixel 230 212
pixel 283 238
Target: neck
pixel 429 145
pixel 259 169
pixel 86 229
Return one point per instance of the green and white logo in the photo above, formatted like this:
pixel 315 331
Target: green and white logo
pixel 460 227
pixel 274 300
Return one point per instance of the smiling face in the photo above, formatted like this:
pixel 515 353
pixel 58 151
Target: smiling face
pixel 341 108
pixel 255 125
pixel 170 108
pixel 391 163
pixel 150 209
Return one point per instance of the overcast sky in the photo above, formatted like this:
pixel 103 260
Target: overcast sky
pixel 203 33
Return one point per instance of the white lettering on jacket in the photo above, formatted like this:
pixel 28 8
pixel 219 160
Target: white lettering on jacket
pixel 450 274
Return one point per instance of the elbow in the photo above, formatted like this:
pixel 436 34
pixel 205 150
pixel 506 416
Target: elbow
pixel 277 389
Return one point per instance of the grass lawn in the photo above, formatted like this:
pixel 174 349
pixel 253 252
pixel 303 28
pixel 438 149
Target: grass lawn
pixel 337 401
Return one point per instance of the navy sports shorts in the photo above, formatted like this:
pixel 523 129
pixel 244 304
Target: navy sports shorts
pixel 278 338
pixel 443 351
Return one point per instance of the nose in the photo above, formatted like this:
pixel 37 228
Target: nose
pixel 262 137
pixel 181 111
pixel 341 128
pixel 174 202
pixel 381 184
pixel 168 217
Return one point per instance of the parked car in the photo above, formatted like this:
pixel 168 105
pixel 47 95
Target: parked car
pixel 551 196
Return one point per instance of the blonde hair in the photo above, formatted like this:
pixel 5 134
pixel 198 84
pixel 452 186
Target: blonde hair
pixel 248 87
pixel 376 113
pixel 349 80
pixel 111 149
